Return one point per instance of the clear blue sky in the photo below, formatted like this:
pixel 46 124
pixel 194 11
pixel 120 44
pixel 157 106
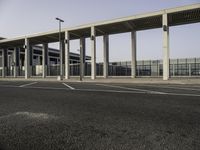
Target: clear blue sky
pixel 23 17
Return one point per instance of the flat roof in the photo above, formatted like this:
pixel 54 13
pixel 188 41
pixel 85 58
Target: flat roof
pixel 176 16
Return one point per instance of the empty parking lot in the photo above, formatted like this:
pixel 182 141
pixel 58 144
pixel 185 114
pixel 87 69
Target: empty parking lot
pixel 76 115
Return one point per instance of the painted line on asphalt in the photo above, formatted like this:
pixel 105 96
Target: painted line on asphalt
pixel 177 94
pixel 183 88
pixel 70 87
pixel 136 89
pixel 106 91
pixel 110 91
pixel 172 87
pixel 47 88
pixel 24 85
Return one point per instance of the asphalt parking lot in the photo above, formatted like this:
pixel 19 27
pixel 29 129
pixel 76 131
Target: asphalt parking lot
pixel 99 116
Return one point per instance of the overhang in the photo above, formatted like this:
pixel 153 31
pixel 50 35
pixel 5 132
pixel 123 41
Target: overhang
pixel 176 16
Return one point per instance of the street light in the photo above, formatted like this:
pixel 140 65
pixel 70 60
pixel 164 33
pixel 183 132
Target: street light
pixel 80 64
pixel 60 47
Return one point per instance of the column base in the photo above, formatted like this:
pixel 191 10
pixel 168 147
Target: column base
pixel 165 78
pixel 44 74
pixel 16 71
pixel 59 78
pixel 28 73
pixel 4 72
pixel 133 77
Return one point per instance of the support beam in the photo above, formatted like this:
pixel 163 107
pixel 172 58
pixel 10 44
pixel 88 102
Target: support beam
pixel 133 54
pixel 4 62
pixel 27 58
pixel 16 59
pixel 67 47
pixel 93 53
pixel 105 55
pixel 165 47
pixel 44 60
pixel 82 57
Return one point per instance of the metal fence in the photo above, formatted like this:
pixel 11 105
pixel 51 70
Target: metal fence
pixel 178 67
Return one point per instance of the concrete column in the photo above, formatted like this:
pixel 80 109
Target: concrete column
pixel 93 53
pixel 67 62
pixel 27 59
pixel 44 60
pixel 133 54
pixel 82 57
pixel 16 59
pixel 165 47
pixel 4 62
pixel 105 55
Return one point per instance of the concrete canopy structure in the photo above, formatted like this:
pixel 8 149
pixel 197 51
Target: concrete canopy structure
pixel 160 19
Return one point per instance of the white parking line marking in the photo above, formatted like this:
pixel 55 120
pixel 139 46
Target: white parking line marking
pixel 173 87
pixel 106 91
pixel 24 85
pixel 70 87
pixel 136 89
pixel 47 88
pixel 184 88
pixel 177 94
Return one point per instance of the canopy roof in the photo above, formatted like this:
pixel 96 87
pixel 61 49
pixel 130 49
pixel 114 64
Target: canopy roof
pixel 176 16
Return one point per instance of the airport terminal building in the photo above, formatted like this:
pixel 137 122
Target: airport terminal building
pixel 31 56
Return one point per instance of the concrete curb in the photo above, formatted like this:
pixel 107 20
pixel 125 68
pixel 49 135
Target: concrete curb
pixel 113 80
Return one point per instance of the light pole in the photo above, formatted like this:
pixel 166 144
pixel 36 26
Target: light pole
pixel 80 64
pixel 60 47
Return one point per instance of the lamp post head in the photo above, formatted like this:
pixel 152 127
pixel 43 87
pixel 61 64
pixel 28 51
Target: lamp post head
pixel 59 19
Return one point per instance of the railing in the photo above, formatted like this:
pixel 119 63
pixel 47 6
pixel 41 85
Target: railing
pixel 144 68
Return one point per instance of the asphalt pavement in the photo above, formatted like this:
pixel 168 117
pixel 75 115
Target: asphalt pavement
pixel 99 116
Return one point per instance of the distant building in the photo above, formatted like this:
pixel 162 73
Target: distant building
pixel 53 60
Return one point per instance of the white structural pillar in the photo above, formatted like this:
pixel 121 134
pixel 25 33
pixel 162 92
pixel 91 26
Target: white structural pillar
pixel 82 57
pixel 16 58
pixel 4 62
pixel 67 61
pixel 93 53
pixel 133 54
pixel 27 58
pixel 44 60
pixel 105 55
pixel 165 47
pixel 61 45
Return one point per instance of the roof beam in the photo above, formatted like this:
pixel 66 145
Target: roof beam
pixel 100 30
